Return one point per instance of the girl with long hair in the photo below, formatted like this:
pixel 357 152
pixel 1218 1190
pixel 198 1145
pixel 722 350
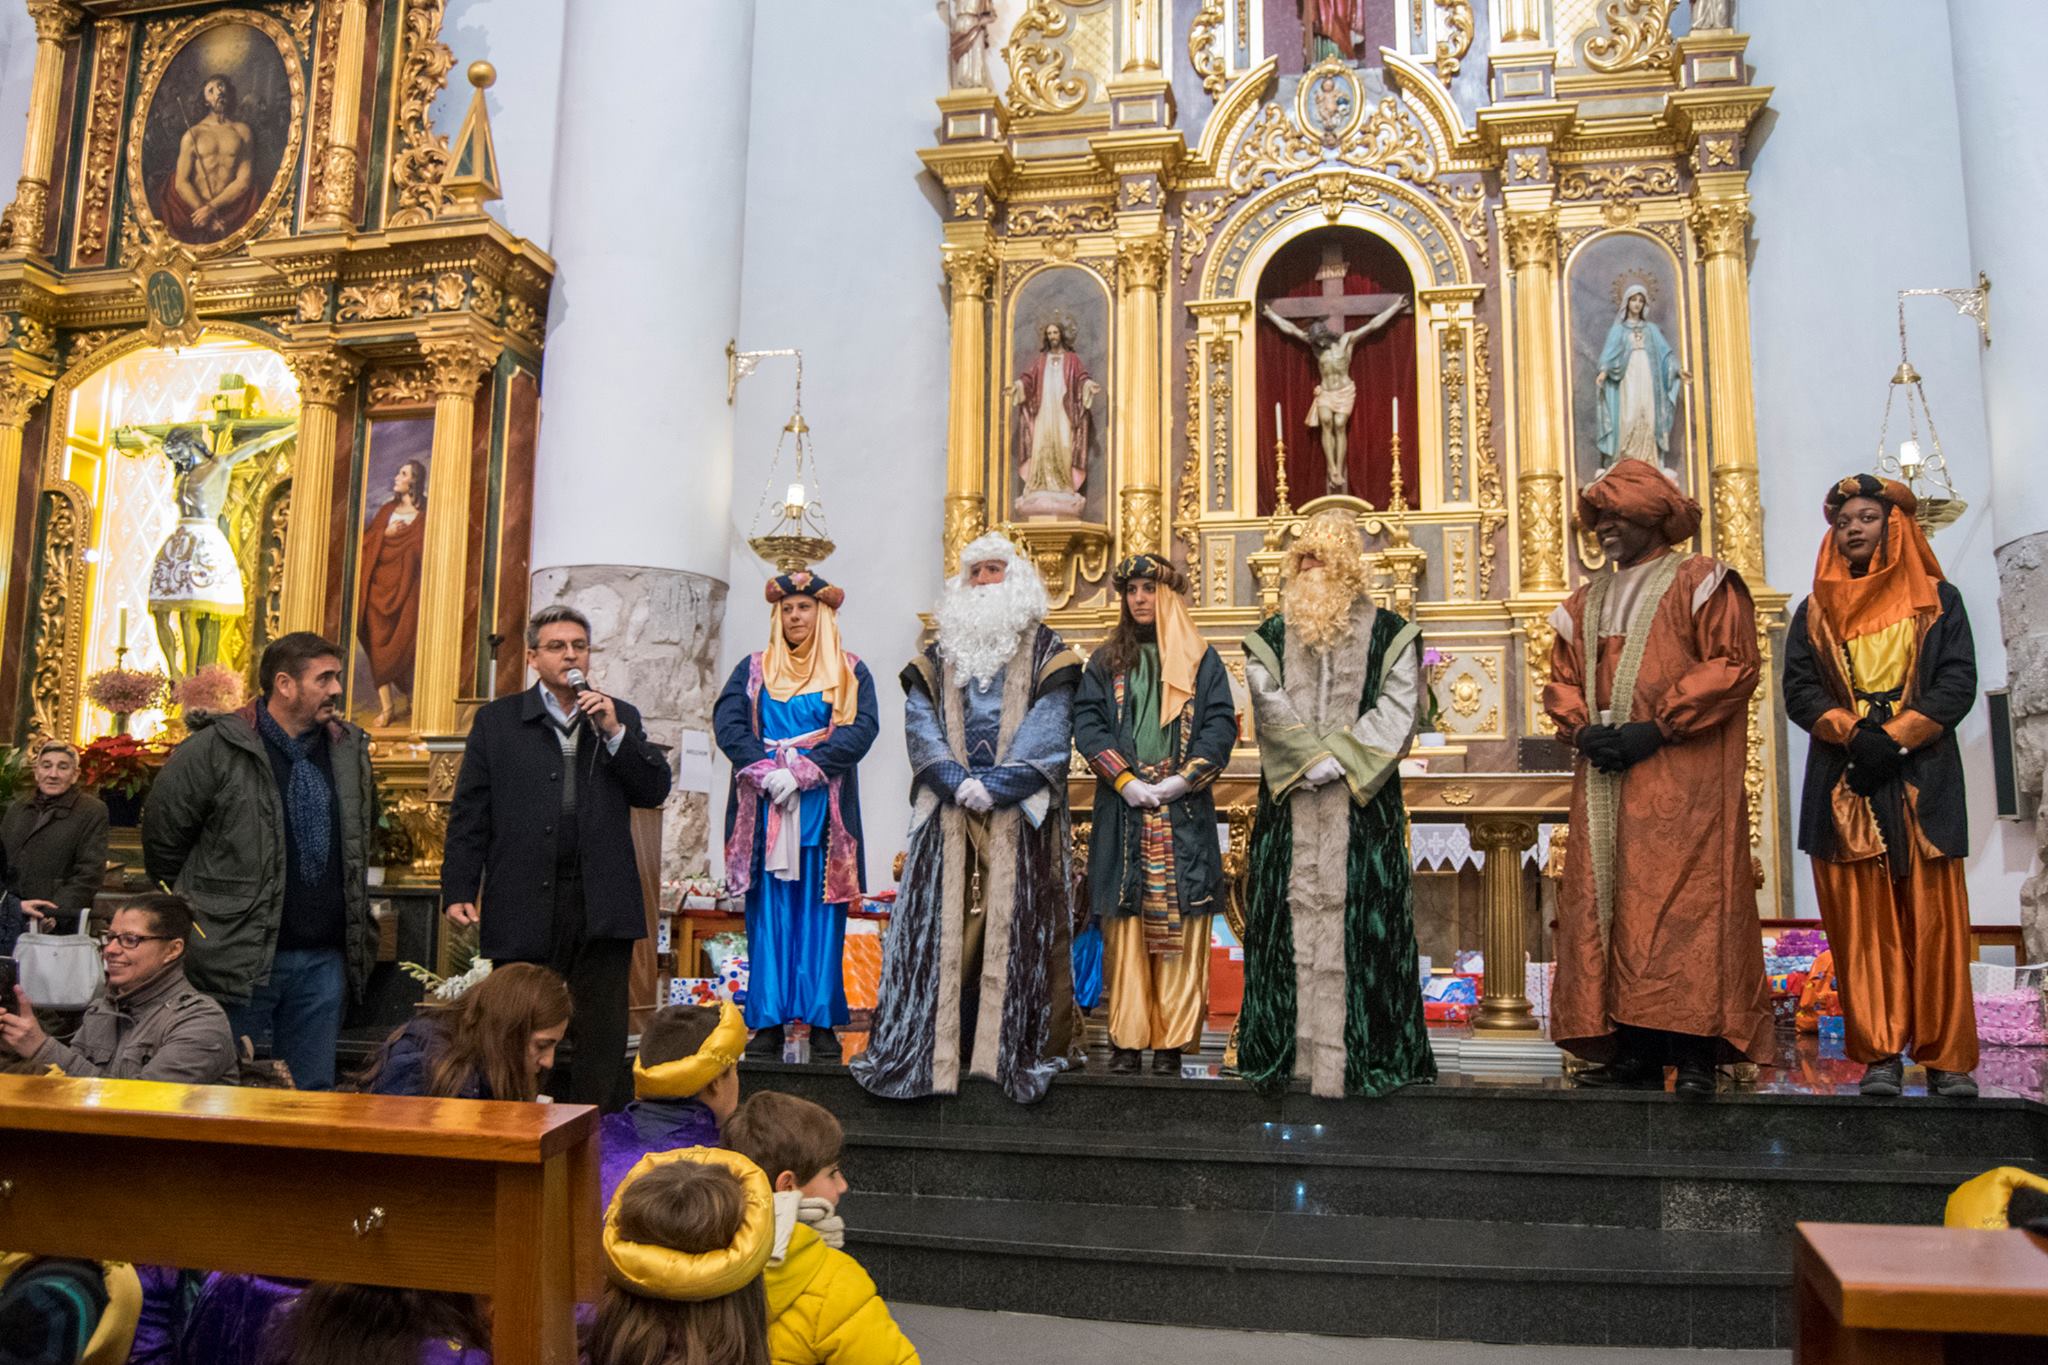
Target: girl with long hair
pixel 685 1241
pixel 494 1044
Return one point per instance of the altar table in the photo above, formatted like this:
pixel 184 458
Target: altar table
pixel 463 1196
pixel 1919 1295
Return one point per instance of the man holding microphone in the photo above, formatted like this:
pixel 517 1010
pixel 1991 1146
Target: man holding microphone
pixel 540 833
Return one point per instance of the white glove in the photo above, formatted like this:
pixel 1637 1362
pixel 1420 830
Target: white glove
pixel 973 796
pixel 1140 795
pixel 780 786
pixel 1328 770
pixel 1171 790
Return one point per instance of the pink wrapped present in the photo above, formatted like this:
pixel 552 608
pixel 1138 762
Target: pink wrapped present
pixel 2011 1019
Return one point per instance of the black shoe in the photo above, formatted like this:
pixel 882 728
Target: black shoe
pixel 1951 1085
pixel 824 1045
pixel 1166 1061
pixel 1124 1061
pixel 1695 1081
pixel 1885 1078
pixel 1623 1073
pixel 766 1043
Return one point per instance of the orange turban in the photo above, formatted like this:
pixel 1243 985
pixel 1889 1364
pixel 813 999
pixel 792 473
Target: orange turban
pixel 1901 581
pixel 1638 491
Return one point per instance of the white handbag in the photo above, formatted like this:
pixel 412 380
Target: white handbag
pixel 60 971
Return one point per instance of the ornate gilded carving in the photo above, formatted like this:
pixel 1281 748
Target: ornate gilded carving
pixel 111 41
pixel 1203 59
pixel 383 299
pixel 78 345
pixel 312 302
pixel 1754 776
pixel 1219 573
pixel 1452 382
pixel 1139 520
pixel 277 527
pixel 1613 182
pixel 55 20
pixel 20 391
pixel 455 364
pixel 422 155
pixel 30 207
pixel 1141 261
pixel 966 519
pixel 1188 498
pixel 1276 146
pixel 1067 554
pixel 1059 222
pixel 1039 83
pixel 1638 35
pixel 968 271
pixel 1458 554
pixel 50 641
pixel 323 111
pixel 1466 686
pixel 1219 420
pixel 1486 476
pixel 1525 165
pixel 400 386
pixel 1542 531
pixel 30 334
pixel 337 193
pixel 1539 637
pixel 1198 218
pixel 324 374
pixel 1457 39
pixel 1721 225
pixel 1716 151
pixel 162 43
pixel 1531 237
pixel 524 321
pixel 1739 521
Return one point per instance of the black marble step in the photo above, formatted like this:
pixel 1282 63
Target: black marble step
pixel 1467 1117
pixel 1351 1276
pixel 1323 1173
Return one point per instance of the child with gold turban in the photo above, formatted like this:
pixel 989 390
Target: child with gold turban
pixel 686 1083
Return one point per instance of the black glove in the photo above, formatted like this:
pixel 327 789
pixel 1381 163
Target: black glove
pixel 1874 759
pixel 1632 743
pixel 1591 738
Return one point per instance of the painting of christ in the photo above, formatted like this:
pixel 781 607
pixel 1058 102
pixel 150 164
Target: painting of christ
pixel 217 133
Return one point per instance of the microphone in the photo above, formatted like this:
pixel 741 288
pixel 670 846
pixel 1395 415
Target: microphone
pixel 574 677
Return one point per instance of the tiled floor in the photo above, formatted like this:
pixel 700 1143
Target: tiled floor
pixel 956 1336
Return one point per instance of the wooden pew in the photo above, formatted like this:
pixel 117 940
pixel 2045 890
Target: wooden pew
pixel 457 1195
pixel 1919 1295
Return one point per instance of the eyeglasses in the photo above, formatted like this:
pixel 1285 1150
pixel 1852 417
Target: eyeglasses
pixel 565 647
pixel 132 941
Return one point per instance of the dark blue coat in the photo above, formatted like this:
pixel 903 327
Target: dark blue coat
pixel 737 720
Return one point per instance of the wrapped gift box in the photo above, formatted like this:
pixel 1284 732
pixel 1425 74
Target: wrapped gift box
pixel 2011 1019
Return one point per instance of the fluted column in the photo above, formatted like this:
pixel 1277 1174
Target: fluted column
pixel 454 365
pixel 1141 264
pixel 1720 220
pixel 339 162
pixel 324 376
pixel 1501 840
pixel 968 272
pixel 1521 21
pixel 1141 34
pixel 20 391
pixel 55 21
pixel 1539 398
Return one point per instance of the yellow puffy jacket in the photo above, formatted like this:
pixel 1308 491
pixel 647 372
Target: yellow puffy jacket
pixel 822 1307
pixel 116 1332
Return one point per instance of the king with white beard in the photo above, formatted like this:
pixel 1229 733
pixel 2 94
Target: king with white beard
pixel 977 973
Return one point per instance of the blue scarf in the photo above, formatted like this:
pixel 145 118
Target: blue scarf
pixel 308 799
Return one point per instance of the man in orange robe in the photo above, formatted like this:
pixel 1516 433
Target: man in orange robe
pixel 1880 668
pixel 1659 959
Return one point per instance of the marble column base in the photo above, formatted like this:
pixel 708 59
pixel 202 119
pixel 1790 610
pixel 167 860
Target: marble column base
pixel 2023 614
pixel 654 633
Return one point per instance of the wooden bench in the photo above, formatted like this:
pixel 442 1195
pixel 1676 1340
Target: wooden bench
pixel 1919 1295
pixel 455 1195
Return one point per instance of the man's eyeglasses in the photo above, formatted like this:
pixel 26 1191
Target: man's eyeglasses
pixel 132 941
pixel 566 647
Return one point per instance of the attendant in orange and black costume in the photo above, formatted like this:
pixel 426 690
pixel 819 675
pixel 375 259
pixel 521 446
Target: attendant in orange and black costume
pixel 1880 669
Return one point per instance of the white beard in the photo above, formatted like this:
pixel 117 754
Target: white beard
pixel 980 628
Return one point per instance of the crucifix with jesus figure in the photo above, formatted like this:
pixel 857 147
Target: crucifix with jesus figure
pixel 1327 338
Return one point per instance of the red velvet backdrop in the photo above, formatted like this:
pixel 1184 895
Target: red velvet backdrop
pixel 1382 365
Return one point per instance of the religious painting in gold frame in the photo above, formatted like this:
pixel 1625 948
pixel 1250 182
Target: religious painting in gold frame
pixel 213 147
pixel 1075 300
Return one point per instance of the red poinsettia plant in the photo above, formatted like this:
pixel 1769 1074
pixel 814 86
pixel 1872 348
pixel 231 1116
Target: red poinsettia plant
pixel 121 764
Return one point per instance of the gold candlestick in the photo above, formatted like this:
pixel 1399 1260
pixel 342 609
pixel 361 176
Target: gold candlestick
pixel 1397 500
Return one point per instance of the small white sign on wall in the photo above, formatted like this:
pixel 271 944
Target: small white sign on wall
pixel 693 761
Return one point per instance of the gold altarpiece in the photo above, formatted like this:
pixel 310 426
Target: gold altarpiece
pixel 1528 178
pixel 341 232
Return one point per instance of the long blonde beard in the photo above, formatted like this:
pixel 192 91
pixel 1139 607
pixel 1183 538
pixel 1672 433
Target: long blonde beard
pixel 1317 605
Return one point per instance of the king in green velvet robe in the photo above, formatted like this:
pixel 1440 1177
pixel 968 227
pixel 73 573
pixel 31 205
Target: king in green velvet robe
pixel 1332 988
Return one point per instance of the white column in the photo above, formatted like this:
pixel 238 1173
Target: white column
pixel 632 485
pixel 1997 104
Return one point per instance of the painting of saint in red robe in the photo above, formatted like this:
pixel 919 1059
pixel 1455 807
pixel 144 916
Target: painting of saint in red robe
pixel 388 599
pixel 1053 396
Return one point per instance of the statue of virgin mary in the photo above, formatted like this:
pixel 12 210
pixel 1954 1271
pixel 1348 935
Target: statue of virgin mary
pixel 1637 389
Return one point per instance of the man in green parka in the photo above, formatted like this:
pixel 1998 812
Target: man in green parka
pixel 1155 721
pixel 1332 989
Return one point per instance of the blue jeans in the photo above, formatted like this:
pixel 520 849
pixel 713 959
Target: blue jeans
pixel 296 1015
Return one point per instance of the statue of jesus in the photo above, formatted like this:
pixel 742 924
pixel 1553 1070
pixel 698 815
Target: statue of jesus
pixel 1330 405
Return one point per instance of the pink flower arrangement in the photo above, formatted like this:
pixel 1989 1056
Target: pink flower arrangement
pixel 125 690
pixel 215 687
